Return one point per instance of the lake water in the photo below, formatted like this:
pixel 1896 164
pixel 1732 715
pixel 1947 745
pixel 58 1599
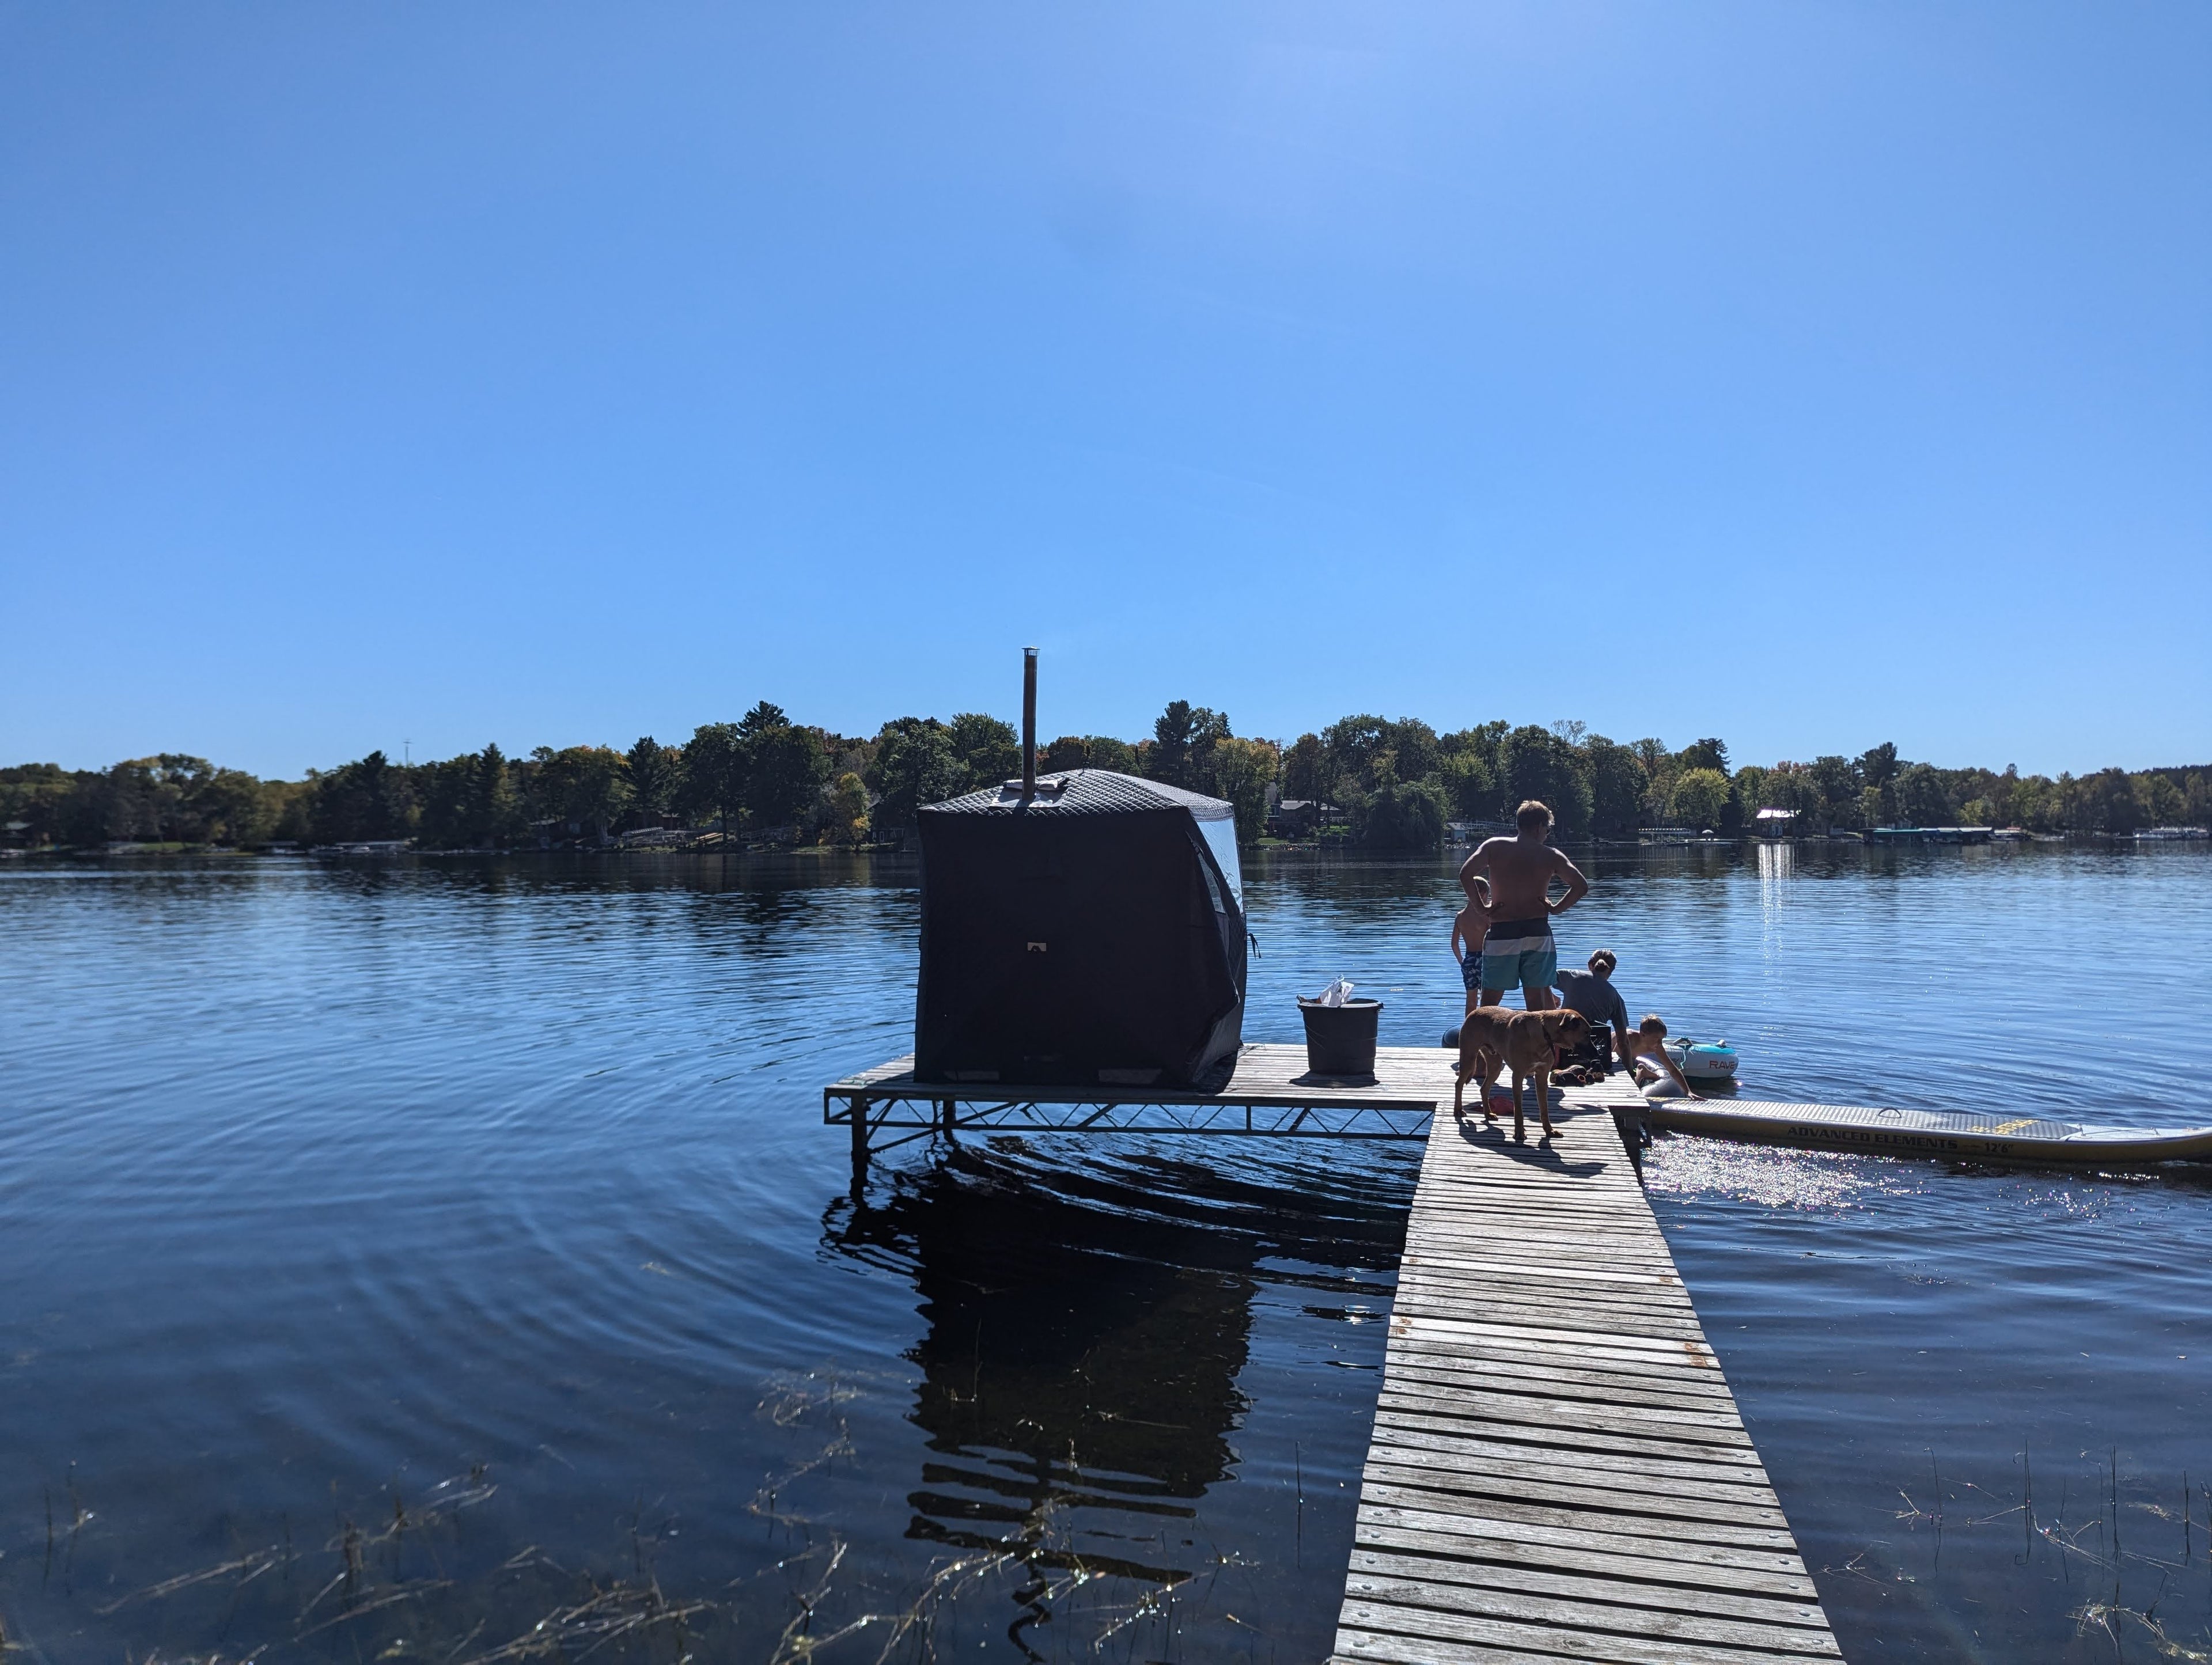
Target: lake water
pixel 447 1261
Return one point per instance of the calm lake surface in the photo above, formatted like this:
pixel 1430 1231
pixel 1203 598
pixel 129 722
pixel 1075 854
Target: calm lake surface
pixel 447 1261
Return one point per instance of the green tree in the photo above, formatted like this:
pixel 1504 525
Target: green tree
pixel 1699 798
pixel 368 801
pixel 764 715
pixel 1242 772
pixel 2105 802
pixel 1416 754
pixel 1877 765
pixel 915 764
pixel 1405 815
pixel 494 800
pixel 1072 752
pixel 1483 741
pixel 656 777
pixel 848 811
pixel 1109 753
pixel 585 788
pixel 786 770
pixel 1305 777
pixel 2160 800
pixel 1617 783
pixel 446 789
pixel 468 802
pixel 1469 788
pixel 1534 762
pixel 1183 738
pixel 1705 754
pixel 1922 800
pixel 37 795
pixel 235 808
pixel 988 749
pixel 1069 751
pixel 1748 787
pixel 1838 783
pixel 1350 747
pixel 715 772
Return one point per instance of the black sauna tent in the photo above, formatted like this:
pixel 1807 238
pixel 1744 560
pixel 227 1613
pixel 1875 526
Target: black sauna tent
pixel 1091 933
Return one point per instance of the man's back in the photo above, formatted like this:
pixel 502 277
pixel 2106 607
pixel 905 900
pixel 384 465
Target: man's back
pixel 1594 996
pixel 1520 872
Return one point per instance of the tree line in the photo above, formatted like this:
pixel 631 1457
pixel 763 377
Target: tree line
pixel 1377 781
pixel 1392 782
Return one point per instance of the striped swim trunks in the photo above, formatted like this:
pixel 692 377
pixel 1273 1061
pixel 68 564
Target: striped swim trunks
pixel 1519 953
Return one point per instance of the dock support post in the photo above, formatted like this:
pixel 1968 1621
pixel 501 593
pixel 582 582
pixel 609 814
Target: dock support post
pixel 859 1139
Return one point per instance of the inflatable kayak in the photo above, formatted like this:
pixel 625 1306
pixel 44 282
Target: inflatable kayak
pixel 1704 1060
pixel 2025 1139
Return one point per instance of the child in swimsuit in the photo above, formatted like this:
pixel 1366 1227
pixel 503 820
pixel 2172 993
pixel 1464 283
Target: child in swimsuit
pixel 1470 927
pixel 1652 1068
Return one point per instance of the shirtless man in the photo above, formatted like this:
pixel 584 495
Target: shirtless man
pixel 1519 948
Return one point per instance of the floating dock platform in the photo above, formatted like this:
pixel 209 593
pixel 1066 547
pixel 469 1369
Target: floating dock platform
pixel 1558 1470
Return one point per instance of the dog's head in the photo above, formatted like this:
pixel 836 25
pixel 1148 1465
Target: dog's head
pixel 1566 1026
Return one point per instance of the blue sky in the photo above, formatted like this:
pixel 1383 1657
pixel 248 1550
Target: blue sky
pixel 1808 375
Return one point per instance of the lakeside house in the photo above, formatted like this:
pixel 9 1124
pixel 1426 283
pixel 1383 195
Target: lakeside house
pixel 1297 817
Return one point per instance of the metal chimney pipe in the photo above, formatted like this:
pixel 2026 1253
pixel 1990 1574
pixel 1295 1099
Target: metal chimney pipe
pixel 1029 722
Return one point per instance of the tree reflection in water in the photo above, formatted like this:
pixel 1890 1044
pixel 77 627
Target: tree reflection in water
pixel 1089 1314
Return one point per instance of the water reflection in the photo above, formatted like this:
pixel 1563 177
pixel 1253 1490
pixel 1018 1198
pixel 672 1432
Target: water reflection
pixel 1086 1328
pixel 1776 864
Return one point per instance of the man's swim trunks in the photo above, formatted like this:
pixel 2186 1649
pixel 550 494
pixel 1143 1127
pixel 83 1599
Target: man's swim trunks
pixel 1520 953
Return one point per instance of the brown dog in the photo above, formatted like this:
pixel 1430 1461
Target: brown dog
pixel 1481 1050
pixel 1527 1042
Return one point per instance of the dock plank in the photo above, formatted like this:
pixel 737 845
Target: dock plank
pixel 1557 1469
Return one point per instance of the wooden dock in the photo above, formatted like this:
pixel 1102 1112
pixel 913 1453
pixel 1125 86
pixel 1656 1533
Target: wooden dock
pixel 1268 1093
pixel 1558 1470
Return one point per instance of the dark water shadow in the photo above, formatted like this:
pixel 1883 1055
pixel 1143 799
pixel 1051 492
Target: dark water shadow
pixel 1086 1327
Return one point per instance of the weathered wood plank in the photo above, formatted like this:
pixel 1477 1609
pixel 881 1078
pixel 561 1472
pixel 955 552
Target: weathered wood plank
pixel 1680 1376
pixel 1473 1632
pixel 1440 1573
pixel 1621 1567
pixel 1599 1615
pixel 1594 1533
pixel 1502 1426
pixel 1409 1445
pixel 1681 1426
pixel 1566 1507
pixel 1667 1510
pixel 1493 1378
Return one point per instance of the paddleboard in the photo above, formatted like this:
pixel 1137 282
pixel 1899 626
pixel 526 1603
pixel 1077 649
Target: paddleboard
pixel 2036 1140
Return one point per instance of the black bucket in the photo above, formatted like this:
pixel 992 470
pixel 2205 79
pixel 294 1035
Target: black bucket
pixel 1341 1039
